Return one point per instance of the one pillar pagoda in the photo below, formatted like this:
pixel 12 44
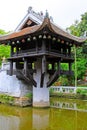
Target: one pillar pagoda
pixel 36 50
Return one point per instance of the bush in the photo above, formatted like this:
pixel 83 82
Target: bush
pixel 6 99
pixel 83 92
pixel 78 91
pixel 51 91
pixel 63 80
pixel 82 85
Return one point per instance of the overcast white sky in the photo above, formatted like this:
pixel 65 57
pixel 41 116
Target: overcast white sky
pixel 64 12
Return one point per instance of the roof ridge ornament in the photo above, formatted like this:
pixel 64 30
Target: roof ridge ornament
pixel 29 9
pixel 46 14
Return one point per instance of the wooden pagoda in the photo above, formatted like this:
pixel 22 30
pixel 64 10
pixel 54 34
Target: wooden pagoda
pixel 35 51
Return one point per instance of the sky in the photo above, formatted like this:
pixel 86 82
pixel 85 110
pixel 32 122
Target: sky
pixel 64 12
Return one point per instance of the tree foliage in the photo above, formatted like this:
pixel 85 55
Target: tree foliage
pixel 4 52
pixel 2 32
pixel 4 49
pixel 79 28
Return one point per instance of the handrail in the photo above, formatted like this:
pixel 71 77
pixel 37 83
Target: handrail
pixel 66 89
pixel 34 51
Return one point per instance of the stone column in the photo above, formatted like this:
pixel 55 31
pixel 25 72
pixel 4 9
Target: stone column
pixel 40 94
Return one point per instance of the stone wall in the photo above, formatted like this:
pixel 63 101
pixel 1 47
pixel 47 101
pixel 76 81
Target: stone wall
pixel 11 85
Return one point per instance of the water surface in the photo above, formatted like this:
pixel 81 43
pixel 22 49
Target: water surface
pixel 64 114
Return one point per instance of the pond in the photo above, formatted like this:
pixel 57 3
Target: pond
pixel 64 114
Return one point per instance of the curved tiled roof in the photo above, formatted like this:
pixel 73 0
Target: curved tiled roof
pixel 22 32
pixel 34 29
pixel 57 30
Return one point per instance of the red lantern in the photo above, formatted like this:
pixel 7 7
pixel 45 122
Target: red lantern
pixel 23 40
pixel 62 41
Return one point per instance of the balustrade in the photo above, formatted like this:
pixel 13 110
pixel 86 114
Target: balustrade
pixel 40 51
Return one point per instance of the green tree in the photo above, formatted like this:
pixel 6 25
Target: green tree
pixel 4 52
pixel 79 28
pixel 4 49
pixel 2 32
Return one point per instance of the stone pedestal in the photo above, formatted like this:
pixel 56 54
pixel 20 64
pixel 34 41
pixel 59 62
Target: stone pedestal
pixel 40 93
pixel 40 97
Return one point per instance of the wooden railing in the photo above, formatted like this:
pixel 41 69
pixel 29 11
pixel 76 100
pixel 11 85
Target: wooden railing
pixel 62 72
pixel 40 51
pixel 66 72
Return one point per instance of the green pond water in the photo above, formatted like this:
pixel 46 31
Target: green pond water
pixel 64 114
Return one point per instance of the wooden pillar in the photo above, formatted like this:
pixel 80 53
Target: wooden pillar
pixel 12 49
pixel 69 51
pixel 30 66
pixel 44 64
pixel 17 49
pixel 49 45
pixel 11 68
pixel 70 66
pixel 17 64
pixel 61 51
pixel 43 46
pixel 65 50
pixel 53 66
pixel 59 48
pixel 59 66
pixel 25 66
pixel 36 46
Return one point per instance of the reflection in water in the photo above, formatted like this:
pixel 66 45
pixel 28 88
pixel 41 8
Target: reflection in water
pixel 40 119
pixel 9 122
pixel 70 104
pixel 64 105
pixel 58 117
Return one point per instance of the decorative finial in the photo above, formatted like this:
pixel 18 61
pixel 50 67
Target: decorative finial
pixel 47 14
pixel 29 9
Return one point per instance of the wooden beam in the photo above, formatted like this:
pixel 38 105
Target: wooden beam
pixel 31 79
pixel 53 78
pixel 28 78
pixel 42 80
pixel 25 66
